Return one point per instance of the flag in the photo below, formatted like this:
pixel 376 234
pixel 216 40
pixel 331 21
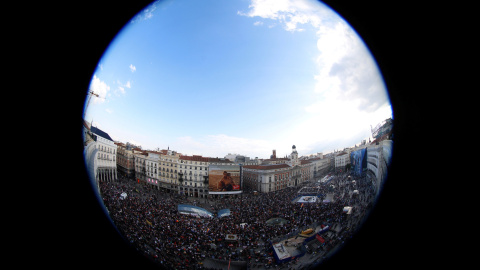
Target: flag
pixel 301 205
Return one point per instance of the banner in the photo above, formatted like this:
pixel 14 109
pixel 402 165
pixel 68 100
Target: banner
pixel 193 210
pixel 224 179
pixel 223 213
pixel 358 160
pixel 307 199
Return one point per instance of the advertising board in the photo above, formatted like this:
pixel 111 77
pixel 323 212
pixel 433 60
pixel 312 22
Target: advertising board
pixel 224 179
pixel 358 160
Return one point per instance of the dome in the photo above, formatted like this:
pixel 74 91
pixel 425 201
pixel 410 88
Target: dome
pixel 293 147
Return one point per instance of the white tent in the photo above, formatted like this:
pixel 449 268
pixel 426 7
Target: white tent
pixel 355 191
pixel 123 196
pixel 347 209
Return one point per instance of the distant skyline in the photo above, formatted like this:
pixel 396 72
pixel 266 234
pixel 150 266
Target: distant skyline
pixel 216 77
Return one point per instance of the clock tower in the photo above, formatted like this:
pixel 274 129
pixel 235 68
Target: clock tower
pixel 294 157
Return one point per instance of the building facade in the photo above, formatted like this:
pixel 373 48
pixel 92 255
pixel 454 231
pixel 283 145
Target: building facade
pixel 378 159
pixel 320 166
pixel 173 172
pixel 100 154
pixel 125 160
pixel 106 156
pixel 168 171
pixel 341 161
pixel 283 173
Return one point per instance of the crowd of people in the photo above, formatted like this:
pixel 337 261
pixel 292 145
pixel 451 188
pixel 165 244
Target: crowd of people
pixel 149 220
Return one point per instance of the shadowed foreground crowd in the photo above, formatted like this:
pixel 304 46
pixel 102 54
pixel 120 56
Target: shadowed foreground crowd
pixel 150 221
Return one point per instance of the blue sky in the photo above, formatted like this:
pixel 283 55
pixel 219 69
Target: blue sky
pixel 217 77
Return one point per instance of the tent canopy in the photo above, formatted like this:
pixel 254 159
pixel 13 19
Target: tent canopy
pixel 347 209
pixel 277 221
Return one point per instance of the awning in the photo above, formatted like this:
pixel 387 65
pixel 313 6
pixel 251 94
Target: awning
pixel 320 239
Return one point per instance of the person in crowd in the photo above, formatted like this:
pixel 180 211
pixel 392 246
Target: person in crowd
pixel 151 223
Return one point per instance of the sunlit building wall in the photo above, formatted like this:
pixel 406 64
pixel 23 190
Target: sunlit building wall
pixel 341 160
pixel 272 177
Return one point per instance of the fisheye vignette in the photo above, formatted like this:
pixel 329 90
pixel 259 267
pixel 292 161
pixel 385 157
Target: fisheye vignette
pixel 237 135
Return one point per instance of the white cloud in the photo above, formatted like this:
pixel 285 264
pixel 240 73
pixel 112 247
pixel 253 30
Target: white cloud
pixel 100 88
pixel 349 93
pixel 257 23
pixel 132 68
pixel 344 63
pixel 220 145
pixel 109 111
pixel 347 68
pixel 288 12
pixel 121 87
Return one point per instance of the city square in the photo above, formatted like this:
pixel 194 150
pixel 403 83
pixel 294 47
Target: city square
pixel 149 220
pixel 288 89
pixel 292 212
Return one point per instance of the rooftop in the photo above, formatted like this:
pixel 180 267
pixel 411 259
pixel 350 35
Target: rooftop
pixel 266 167
pixel 101 133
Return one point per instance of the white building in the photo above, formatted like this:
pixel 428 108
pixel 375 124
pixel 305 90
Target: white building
pixel 378 158
pixel 106 156
pixel 100 154
pixel 146 167
pixel 341 160
pixel 320 165
pixel 168 170
pixel 194 169
pixel 272 176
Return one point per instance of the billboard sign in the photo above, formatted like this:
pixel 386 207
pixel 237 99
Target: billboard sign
pixel 224 179
pixel 358 160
